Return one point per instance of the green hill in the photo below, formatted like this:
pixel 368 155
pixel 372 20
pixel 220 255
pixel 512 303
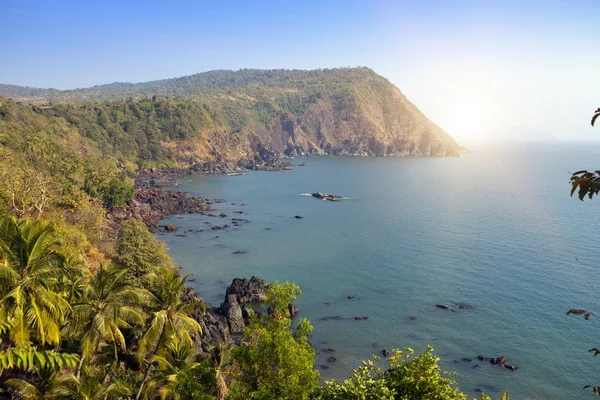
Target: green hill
pixel 230 115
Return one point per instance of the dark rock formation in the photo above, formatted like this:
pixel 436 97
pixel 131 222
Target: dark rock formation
pixel 233 312
pixel 240 252
pixel 152 205
pixel 248 291
pixel 293 309
pixel 329 197
pixel 443 306
pixel 298 217
pixel 498 360
pixel 361 317
pixel 331 359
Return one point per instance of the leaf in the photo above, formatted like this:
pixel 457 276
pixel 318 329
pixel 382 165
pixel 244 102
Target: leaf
pixel 595 350
pixel 595 389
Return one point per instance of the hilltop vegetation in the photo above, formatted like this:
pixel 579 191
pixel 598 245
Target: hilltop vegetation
pixel 234 113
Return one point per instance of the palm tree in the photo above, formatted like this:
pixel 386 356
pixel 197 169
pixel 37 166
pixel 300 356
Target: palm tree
pixel 108 304
pixel 170 322
pixel 178 357
pixel 94 384
pixel 28 391
pixel 219 357
pixel 30 271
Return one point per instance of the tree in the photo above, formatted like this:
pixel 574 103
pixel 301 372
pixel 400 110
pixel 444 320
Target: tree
pixel 140 252
pixel 170 323
pixel 95 383
pixel 109 303
pixel 274 361
pixel 406 377
pixel 586 183
pixel 179 358
pixel 30 272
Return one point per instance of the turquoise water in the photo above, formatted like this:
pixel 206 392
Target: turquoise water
pixel 495 229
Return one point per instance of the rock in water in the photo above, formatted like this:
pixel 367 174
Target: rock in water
pixel 171 227
pixel 293 309
pixel 248 291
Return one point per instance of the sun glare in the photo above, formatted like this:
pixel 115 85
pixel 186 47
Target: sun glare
pixel 467 119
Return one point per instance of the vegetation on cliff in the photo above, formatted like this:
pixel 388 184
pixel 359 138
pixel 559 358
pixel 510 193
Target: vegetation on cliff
pixel 229 115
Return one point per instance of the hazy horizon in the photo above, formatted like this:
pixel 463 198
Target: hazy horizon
pixel 472 67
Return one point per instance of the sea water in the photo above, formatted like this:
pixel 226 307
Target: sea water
pixel 495 230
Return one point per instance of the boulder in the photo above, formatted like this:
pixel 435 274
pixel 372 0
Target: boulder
pixel 293 309
pixel 248 291
pixel 361 317
pixel 298 217
pixel 215 329
pixel 233 312
pixel 498 360
pixel 171 227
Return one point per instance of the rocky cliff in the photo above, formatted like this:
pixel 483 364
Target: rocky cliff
pixel 229 116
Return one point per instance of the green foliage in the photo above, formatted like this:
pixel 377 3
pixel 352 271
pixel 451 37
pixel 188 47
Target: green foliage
pixel 31 358
pixel 95 383
pixel 170 322
pixel 365 383
pixel 420 377
pixel 108 304
pixel 140 253
pixel 197 383
pixel 273 361
pixel 31 273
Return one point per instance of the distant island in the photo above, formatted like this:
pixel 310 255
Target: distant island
pixel 228 116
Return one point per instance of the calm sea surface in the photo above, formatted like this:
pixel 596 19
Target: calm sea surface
pixel 495 229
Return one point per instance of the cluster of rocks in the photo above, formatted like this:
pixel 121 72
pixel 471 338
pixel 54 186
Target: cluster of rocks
pixel 501 361
pixel 226 322
pixel 328 197
pixel 152 205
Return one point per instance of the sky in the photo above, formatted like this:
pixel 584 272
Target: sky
pixel 476 68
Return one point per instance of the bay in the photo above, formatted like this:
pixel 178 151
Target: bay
pixel 494 229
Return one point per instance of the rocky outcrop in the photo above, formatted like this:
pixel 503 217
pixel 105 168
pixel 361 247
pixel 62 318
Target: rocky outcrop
pixel 328 197
pixel 152 205
pixel 233 312
pixel 248 291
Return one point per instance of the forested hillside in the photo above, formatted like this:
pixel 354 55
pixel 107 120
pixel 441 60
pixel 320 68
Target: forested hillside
pixel 227 115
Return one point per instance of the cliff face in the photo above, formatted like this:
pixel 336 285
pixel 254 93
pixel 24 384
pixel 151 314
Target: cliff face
pixel 232 116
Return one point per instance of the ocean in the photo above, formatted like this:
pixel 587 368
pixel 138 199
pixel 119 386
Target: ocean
pixel 494 230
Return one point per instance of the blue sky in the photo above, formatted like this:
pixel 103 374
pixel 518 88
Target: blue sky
pixel 471 66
